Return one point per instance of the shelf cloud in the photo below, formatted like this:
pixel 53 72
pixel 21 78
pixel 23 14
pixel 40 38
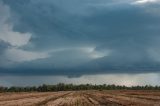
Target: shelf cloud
pixel 79 37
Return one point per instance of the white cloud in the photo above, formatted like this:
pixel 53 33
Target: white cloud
pixel 89 51
pixel 7 34
pixel 16 40
pixel 19 55
pixel 144 1
pixel 93 54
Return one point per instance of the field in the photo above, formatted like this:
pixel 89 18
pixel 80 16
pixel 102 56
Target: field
pixel 82 98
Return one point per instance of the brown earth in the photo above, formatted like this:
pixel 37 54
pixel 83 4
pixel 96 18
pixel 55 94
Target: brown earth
pixel 82 98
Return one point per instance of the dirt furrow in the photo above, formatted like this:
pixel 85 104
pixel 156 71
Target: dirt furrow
pixel 74 99
pixel 20 96
pixel 103 101
pixel 123 100
pixel 152 98
pixel 52 98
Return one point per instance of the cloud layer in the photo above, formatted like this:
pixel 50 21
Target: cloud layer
pixel 79 37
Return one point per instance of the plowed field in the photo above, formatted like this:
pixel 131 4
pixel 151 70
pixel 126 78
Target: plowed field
pixel 82 98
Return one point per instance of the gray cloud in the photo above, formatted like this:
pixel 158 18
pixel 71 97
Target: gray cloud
pixel 82 37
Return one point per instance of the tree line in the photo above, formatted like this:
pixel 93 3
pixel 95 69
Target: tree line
pixel 72 87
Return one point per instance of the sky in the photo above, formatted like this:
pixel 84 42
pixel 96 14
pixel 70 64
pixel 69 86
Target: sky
pixel 79 41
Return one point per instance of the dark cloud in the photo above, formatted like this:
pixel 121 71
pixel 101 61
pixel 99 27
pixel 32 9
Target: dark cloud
pixel 88 36
pixel 3 46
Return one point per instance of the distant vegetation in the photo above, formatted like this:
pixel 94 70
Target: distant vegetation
pixel 71 87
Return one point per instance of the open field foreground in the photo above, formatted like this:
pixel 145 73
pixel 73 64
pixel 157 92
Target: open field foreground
pixel 82 98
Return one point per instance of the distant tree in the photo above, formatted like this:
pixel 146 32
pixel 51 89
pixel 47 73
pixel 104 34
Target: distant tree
pixel 68 87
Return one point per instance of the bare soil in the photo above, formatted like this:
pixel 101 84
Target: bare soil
pixel 82 98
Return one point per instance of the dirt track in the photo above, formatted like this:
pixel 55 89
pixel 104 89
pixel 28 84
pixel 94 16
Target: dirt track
pixel 82 98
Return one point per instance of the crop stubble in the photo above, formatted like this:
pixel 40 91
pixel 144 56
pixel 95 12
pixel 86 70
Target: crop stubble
pixel 82 98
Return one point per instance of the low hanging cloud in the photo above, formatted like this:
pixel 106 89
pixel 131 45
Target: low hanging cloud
pixel 81 36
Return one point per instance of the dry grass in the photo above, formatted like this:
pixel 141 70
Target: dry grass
pixel 82 98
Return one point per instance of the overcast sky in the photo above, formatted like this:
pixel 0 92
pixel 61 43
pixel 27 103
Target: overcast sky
pixel 74 38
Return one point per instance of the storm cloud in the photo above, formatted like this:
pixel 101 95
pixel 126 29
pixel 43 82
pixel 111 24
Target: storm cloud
pixel 79 37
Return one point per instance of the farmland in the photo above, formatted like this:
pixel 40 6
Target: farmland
pixel 82 98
